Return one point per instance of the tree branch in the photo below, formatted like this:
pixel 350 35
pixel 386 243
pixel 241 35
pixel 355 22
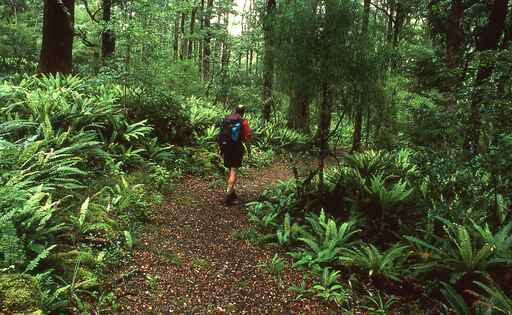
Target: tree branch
pixel 383 10
pixel 89 12
pixel 83 37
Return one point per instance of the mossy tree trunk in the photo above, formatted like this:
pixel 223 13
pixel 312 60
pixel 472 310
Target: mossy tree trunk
pixel 488 40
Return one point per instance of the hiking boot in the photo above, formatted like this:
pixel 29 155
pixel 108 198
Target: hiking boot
pixel 230 198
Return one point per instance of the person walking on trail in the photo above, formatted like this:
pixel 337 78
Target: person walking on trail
pixel 235 131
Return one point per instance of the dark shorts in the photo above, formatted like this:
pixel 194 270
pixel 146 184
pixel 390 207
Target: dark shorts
pixel 233 156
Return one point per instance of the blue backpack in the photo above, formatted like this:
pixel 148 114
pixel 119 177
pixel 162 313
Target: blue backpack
pixel 230 131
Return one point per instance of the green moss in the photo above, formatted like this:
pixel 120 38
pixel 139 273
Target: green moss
pixel 66 263
pixel 20 294
pixel 68 259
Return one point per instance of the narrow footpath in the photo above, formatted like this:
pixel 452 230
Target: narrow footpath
pixel 189 260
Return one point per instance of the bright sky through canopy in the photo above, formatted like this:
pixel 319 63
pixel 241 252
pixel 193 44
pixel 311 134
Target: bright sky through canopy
pixel 235 20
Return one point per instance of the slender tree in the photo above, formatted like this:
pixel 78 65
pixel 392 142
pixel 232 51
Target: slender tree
pixel 358 121
pixel 191 34
pixel 183 50
pixel 206 42
pixel 268 60
pixel 176 41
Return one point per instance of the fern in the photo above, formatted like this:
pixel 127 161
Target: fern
pixel 367 163
pixel 32 265
pixel 136 131
pixel 84 209
pixel 128 238
pixel 496 299
pixel 388 197
pixel 327 238
pixel 461 253
pixel 390 263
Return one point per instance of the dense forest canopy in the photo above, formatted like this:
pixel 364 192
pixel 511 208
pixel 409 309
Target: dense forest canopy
pixel 404 106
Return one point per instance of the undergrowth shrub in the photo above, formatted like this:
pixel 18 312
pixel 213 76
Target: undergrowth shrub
pixel 66 195
pixel 164 111
pixel 456 220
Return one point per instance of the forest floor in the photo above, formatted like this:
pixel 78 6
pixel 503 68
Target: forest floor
pixel 189 259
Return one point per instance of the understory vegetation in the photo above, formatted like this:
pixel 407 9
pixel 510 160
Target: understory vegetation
pixel 404 107
pixel 81 169
pixel 388 224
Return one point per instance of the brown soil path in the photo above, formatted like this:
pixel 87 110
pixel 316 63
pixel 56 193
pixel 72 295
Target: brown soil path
pixel 189 261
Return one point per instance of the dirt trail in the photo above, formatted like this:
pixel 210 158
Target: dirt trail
pixel 189 261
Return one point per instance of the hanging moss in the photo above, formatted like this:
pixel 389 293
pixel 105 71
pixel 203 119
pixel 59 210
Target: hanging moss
pixel 19 294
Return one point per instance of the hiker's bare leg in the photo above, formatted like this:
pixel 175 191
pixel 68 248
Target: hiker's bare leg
pixel 231 179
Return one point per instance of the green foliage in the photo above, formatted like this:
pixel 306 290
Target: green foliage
pixel 325 239
pixel 387 197
pixel 273 134
pixel 377 305
pixel 366 163
pixel 329 288
pixel 389 264
pixel 496 299
pixel 164 111
pixel 461 253
pixel 129 239
pixel 287 232
pixel 56 133
pixel 456 301
pixel 263 214
pixel 274 266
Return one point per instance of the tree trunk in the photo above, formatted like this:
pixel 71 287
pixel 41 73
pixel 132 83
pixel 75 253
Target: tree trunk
pixel 58 32
pixel 247 62
pixel 268 60
pixel 251 57
pixel 397 25
pixel 358 122
pixel 454 46
pixel 368 126
pixel 488 40
pixel 183 52
pixel 224 56
pixel 207 40
pixel 389 35
pixel 192 26
pixel 455 35
pixel 108 41
pixel 324 128
pixel 298 111
pixel 176 43
pixel 358 125
pixel 501 91
pixel 201 43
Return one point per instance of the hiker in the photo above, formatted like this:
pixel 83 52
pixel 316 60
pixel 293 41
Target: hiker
pixel 235 131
